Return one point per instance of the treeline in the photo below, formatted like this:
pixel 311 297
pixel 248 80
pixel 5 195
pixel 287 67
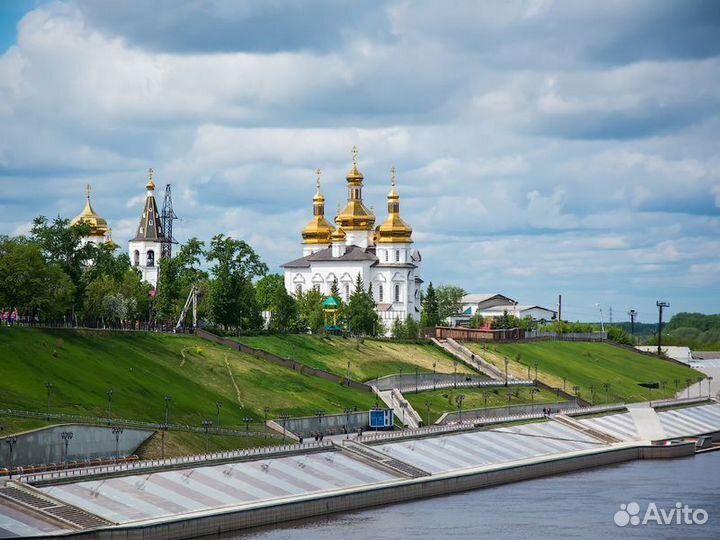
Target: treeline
pixel 695 330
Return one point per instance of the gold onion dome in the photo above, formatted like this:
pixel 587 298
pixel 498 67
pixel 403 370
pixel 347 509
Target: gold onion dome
pixel 338 235
pixel 318 229
pixel 394 229
pixel 355 216
pixel 98 225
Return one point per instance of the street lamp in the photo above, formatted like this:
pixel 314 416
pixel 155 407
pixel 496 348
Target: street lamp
pixel 576 389
pixel 163 429
pixel 218 406
pixel 533 390
pixel 11 442
pixel 688 382
pixel 416 379
pixel 207 424
pixel 347 412
pixel 602 323
pixel 246 421
pixel 459 400
pixel 109 396
pixel 434 383
pixel 284 417
pixel 606 387
pixel 117 431
pixel 49 387
pixel 455 374
pixel 168 399
pixel 507 361
pixel 348 372
pixel 535 365
pixel 320 413
pixel 709 380
pixel 699 381
pixel 66 436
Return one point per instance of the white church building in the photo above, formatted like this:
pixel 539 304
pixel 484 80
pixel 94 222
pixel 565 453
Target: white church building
pixel 382 255
pixel 145 249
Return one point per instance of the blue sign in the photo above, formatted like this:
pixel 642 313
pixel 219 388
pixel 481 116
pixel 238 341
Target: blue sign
pixel 381 418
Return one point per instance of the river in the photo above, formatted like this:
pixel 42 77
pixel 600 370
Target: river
pixel 578 505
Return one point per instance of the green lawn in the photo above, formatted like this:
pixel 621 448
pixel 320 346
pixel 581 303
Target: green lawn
pixel 475 398
pixel 142 368
pixel 372 358
pixel 178 443
pixel 590 364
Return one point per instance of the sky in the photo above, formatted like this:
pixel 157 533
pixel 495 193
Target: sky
pixel 542 147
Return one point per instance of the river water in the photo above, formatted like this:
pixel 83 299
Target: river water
pixel 579 505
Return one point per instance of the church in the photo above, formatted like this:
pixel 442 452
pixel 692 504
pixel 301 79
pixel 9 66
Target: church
pixel 381 256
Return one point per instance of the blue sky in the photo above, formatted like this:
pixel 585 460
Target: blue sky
pixel 542 147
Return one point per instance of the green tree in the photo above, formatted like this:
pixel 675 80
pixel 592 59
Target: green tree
pixel 618 335
pixel 430 306
pixel 267 289
pixel 310 312
pixel 284 313
pixel 412 328
pixel 477 321
pixel 398 329
pixel 449 300
pixel 361 314
pixel 176 277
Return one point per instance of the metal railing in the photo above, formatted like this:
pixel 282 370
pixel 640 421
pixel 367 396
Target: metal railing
pixel 201 459
pixel 98 421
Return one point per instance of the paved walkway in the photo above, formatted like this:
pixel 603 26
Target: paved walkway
pixel 711 368
pixel 646 422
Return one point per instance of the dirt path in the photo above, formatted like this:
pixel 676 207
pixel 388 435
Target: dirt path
pixel 237 390
pixel 182 353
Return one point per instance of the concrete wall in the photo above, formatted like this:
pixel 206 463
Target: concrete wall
pixel 329 425
pixel 495 412
pixel 407 381
pixel 46 445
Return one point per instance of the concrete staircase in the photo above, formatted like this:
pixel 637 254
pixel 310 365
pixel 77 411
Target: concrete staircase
pixel 464 354
pixel 396 401
pixel 587 430
pixel 646 422
pixel 366 453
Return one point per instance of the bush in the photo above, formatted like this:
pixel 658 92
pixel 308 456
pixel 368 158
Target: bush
pixel 618 335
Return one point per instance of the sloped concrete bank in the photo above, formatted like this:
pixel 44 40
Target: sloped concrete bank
pixel 291 508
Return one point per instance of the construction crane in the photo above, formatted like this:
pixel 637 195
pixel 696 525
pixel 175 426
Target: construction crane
pixel 191 301
pixel 167 216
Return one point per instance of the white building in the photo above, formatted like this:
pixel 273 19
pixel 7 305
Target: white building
pixel 145 248
pixel 382 255
pixel 100 232
pixel 495 305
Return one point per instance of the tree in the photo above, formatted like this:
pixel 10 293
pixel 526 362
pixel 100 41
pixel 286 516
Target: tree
pixel 398 329
pixel 266 290
pixel 430 306
pixel 449 300
pixel 505 321
pixel 310 311
pixel 618 335
pixel 477 321
pixel 176 277
pixel 284 313
pixel 361 314
pixel 412 329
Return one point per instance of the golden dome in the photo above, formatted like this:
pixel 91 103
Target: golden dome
pixel 338 235
pixel 355 216
pixel 394 230
pixel 150 186
pixel 98 225
pixel 110 242
pixel 318 229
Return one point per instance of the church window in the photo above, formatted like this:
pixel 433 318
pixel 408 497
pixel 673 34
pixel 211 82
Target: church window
pixel 397 293
pixel 298 289
pixel 347 292
pixel 136 258
pixel 380 293
pixel 151 258
pixel 317 287
pixel 386 256
pixel 397 255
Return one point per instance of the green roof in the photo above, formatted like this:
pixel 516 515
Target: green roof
pixel 330 302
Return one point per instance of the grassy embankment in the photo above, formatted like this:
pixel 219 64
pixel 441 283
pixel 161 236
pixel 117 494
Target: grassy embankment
pixel 142 368
pixel 369 359
pixel 589 365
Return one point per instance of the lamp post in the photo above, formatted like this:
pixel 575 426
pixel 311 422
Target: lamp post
pixel 347 412
pixel 699 383
pixel 576 389
pixel 509 395
pixel 688 382
pixel 168 399
pixel 163 429
pixel 533 390
pixel 218 406
pixel 592 393
pixel 455 374
pixel 459 400
pixel 11 442
pixel 266 410
pixel 284 417
pixel 428 404
pixel 709 380
pixel 602 323
pixel 109 394
pixel 434 382
pixel 507 361
pixel 246 421
pixel 348 372
pixel 207 424
pixel 320 413
pixel 117 431
pixel 486 395
pixel 535 365
pixel 606 387
pixel 416 379
pixel 66 436
pixel 49 387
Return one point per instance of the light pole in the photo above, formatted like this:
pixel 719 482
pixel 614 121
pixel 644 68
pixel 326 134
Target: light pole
pixel 284 417
pixel 576 389
pixel 486 394
pixel 709 380
pixel 459 400
pixel 507 361
pixel 434 381
pixel 66 436
pixel 509 395
pixel 348 372
pixel 49 387
pixel 564 381
pixel 602 323
pixel 246 421
pixel 266 410
pixel 347 412
pixel 117 431
pixel 218 406
pixel 416 379
pixel 699 383
pixel 11 442
pixel 428 404
pixel 320 413
pixel 688 382
pixel 606 387
pixel 535 365
pixel 109 396
pixel 163 429
pixel 533 390
pixel 455 374
pixel 592 393
pixel 207 424
pixel 168 399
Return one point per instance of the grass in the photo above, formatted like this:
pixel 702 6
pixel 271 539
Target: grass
pixel 368 360
pixel 590 364
pixel 142 368
pixel 178 443
pixel 475 398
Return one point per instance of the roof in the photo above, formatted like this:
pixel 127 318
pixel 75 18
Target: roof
pixel 478 298
pixel 516 308
pixel 150 227
pixel 352 253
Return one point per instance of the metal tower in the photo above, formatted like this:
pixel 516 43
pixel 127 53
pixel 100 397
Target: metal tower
pixel 167 216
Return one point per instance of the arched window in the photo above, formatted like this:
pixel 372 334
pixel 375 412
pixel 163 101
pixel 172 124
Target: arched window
pixel 316 286
pixel 298 289
pixel 397 255
pixel 397 293
pixel 380 293
pixel 136 258
pixel 150 258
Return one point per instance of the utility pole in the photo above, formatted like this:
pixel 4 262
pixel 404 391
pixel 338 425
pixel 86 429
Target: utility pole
pixel 559 307
pixel 661 305
pixel 610 315
pixel 632 314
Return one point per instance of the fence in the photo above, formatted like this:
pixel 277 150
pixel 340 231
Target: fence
pixel 512 334
pixel 408 381
pixel 472 415
pixel 203 459
pixel 132 423
pixel 284 362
